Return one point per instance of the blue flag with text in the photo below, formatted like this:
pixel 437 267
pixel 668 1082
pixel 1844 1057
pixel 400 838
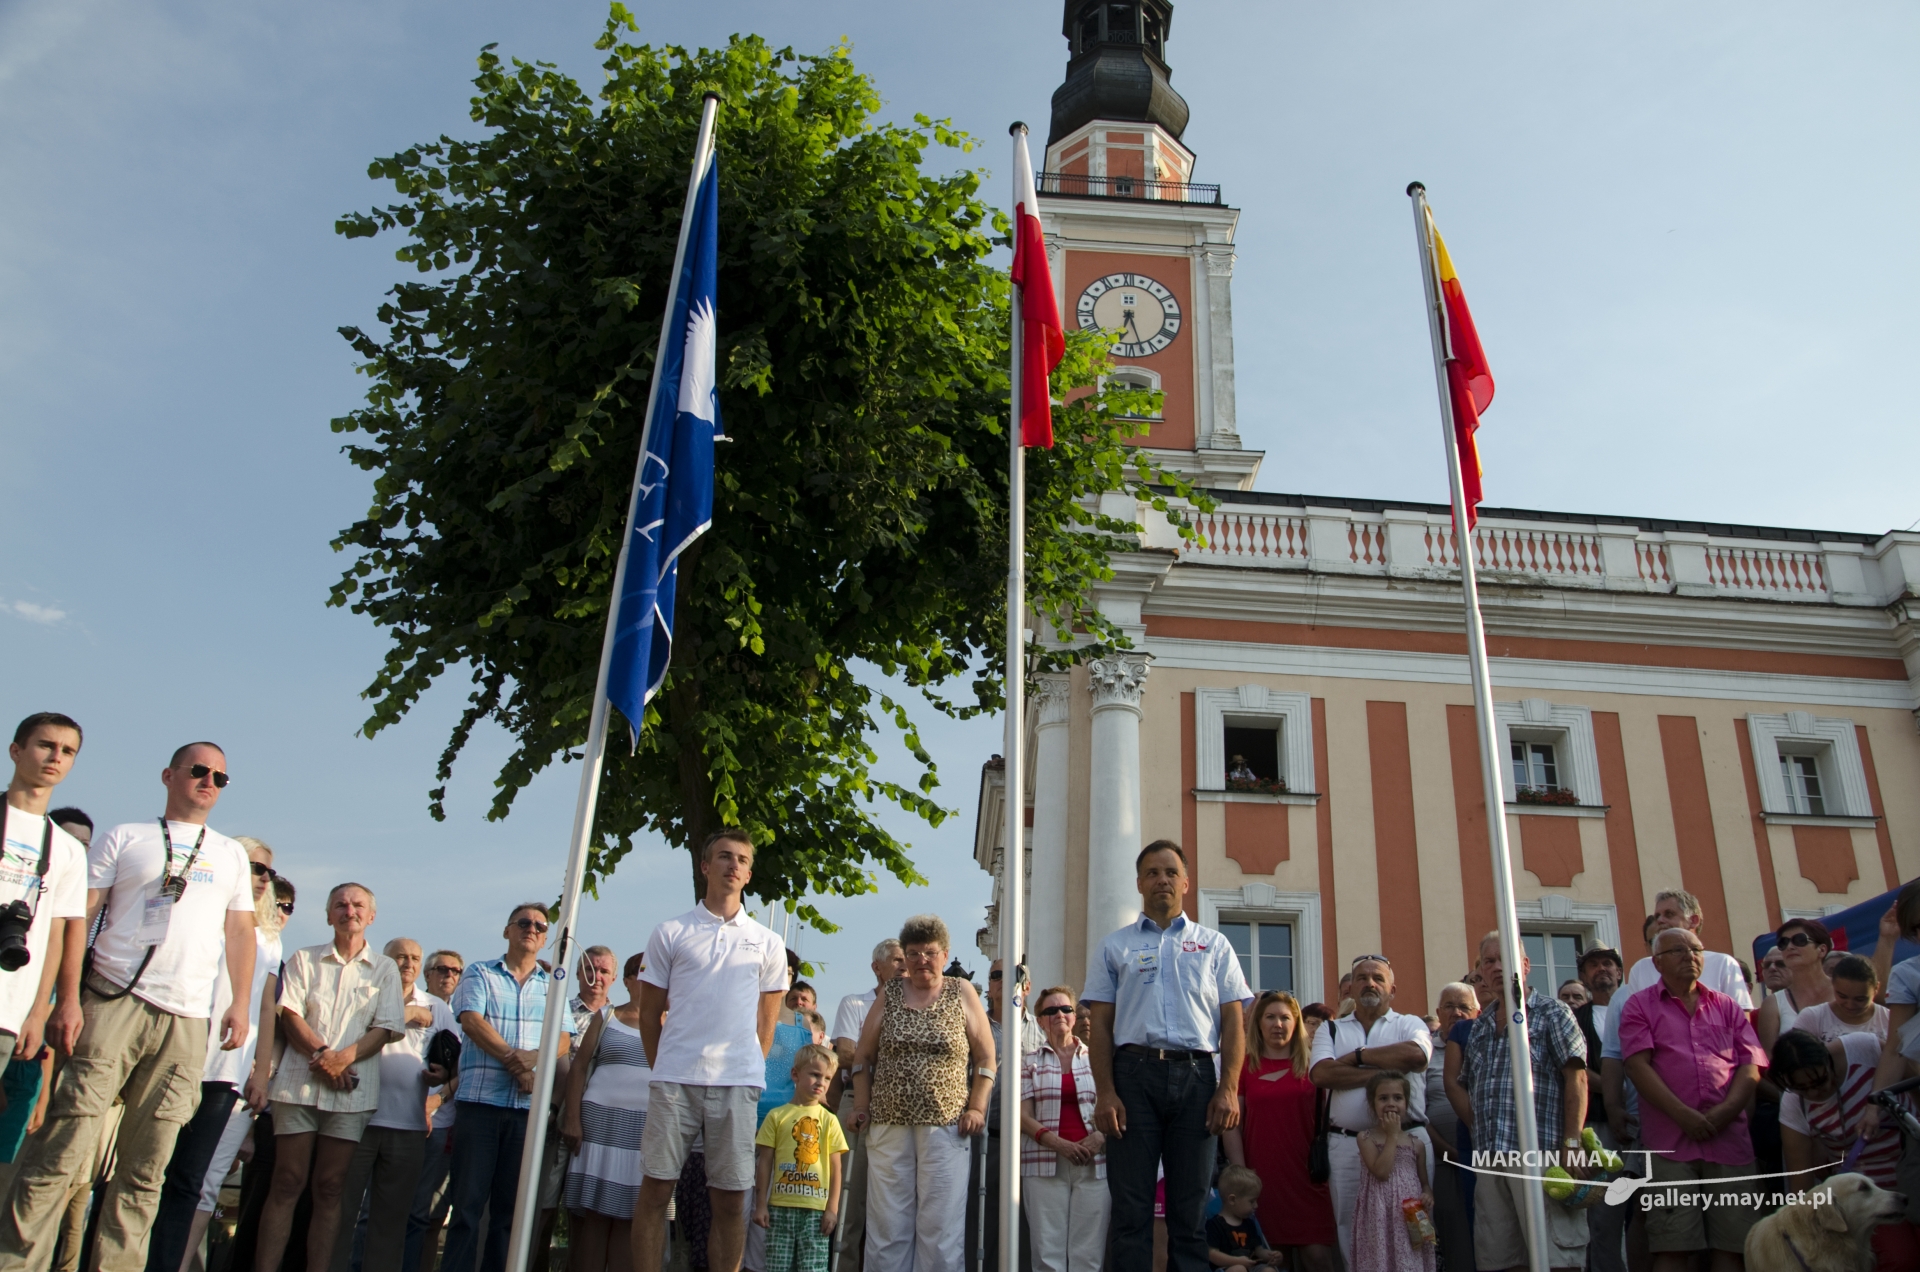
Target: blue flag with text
pixel 674 505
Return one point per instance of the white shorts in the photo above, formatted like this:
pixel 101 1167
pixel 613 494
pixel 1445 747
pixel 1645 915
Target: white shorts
pixel 677 1117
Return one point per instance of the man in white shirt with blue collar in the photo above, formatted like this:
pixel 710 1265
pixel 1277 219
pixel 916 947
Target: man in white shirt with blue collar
pixel 1169 1036
pixel 721 976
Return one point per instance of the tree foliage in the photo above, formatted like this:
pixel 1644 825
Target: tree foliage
pixel 860 510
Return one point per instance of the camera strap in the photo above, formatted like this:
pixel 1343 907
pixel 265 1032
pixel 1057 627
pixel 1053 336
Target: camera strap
pixel 170 883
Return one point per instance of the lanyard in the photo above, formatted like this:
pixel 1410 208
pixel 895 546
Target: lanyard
pixel 174 885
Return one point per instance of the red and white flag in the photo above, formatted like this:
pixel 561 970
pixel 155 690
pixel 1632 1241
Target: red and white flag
pixel 1042 340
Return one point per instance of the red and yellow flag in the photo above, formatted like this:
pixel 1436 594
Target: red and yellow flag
pixel 1469 379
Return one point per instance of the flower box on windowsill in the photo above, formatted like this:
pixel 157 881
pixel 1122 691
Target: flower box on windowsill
pixel 1257 785
pixel 1552 796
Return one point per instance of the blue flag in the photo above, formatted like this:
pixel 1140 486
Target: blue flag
pixel 675 503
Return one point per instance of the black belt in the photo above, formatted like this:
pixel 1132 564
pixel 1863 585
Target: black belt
pixel 1165 1053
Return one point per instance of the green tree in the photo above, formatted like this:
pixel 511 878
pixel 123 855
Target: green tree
pixel 859 513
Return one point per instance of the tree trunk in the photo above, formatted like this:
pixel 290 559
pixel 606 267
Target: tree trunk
pixel 683 709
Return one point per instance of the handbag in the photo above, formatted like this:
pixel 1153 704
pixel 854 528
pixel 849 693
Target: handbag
pixel 1319 1160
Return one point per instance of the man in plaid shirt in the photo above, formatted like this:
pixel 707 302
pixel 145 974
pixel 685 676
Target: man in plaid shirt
pixel 1559 1061
pixel 501 1005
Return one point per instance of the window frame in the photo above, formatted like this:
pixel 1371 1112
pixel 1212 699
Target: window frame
pixel 1264 903
pixel 1255 921
pixel 1566 727
pixel 1253 707
pixel 1833 744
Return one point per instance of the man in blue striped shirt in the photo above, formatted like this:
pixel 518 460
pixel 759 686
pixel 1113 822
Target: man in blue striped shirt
pixel 501 1005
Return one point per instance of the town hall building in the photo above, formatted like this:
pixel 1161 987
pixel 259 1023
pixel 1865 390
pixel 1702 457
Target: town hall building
pixel 1726 709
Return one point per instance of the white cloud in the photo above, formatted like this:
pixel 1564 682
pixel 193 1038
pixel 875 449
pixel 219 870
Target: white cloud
pixel 46 614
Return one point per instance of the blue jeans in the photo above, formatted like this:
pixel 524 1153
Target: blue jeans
pixel 487 1141
pixel 1166 1103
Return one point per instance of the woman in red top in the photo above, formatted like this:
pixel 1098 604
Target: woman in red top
pixel 1277 1103
pixel 1063 1168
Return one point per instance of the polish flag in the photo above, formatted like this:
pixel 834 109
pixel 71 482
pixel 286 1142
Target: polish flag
pixel 1042 340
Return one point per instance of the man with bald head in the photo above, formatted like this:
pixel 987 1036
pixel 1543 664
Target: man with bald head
pixel 173 898
pixel 386 1165
pixel 339 1005
pixel 1695 1059
pixel 1346 1053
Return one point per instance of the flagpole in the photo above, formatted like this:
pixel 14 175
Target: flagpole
pixel 526 1207
pixel 1013 868
pixel 1514 1001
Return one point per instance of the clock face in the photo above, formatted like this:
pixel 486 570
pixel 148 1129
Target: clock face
pixel 1142 310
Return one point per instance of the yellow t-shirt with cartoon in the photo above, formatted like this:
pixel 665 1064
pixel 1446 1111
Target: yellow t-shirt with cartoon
pixel 804 1138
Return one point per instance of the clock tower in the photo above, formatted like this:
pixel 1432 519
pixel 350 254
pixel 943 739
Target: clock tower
pixel 1136 247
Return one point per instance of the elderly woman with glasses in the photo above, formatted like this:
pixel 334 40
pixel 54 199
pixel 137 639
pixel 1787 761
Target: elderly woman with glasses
pixel 1806 944
pixel 922 1074
pixel 1063 1165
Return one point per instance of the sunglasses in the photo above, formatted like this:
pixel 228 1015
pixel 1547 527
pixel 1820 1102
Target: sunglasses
pixel 199 772
pixel 285 907
pixel 444 970
pixel 1373 958
pixel 261 870
pixel 526 924
pixel 1798 940
pixel 1044 1012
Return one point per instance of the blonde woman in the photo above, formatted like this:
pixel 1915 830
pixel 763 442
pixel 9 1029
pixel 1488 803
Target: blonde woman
pixel 1278 1102
pixel 233 1086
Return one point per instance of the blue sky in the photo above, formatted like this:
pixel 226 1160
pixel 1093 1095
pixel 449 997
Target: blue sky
pixel 1685 232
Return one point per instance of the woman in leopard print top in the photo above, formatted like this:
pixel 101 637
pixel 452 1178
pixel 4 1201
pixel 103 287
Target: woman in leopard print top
pixel 922 1074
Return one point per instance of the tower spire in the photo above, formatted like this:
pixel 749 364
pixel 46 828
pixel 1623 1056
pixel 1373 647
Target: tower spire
pixel 1116 67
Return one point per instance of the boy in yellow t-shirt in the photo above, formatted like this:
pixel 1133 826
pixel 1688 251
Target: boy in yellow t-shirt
pixel 797 1174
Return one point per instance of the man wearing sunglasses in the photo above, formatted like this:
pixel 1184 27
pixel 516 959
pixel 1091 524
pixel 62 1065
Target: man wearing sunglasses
pixel 173 893
pixel 501 1005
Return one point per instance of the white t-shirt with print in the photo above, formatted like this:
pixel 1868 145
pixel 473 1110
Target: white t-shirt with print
pixel 231 1066
pixel 62 896
pixel 127 863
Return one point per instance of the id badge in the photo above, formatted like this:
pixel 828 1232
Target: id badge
pixel 1146 964
pixel 156 913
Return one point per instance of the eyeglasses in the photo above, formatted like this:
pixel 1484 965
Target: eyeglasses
pixel 285 907
pixel 526 924
pixel 1798 940
pixel 261 870
pixel 444 970
pixel 996 974
pixel 1044 1012
pixel 199 772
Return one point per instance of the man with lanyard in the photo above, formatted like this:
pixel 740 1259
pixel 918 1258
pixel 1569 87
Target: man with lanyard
pixel 171 892
pixel 1349 1051
pixel 44 867
pixel 1168 1000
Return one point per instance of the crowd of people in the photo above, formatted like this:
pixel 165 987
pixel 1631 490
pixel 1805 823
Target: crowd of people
pixel 156 1032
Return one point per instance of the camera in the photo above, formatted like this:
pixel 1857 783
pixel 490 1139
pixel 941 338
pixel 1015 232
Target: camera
pixel 15 919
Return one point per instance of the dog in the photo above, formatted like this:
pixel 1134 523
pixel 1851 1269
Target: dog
pixel 1835 1235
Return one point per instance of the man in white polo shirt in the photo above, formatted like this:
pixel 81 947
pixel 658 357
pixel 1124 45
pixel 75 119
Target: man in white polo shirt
pixel 1720 973
pixel 173 892
pixel 723 975
pixel 45 868
pixel 1349 1051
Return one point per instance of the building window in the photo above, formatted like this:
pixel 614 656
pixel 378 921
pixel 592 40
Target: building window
pixel 1266 953
pixel 1270 730
pixel 1534 767
pixel 1253 758
pixel 1143 381
pixel 1090 30
pixel 1800 774
pixel 1555 957
pixel 1120 25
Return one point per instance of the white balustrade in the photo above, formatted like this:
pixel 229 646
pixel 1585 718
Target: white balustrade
pixel 1549 554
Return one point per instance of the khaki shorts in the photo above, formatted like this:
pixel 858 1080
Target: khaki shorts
pixel 677 1115
pixel 304 1119
pixel 1500 1226
pixel 1676 1229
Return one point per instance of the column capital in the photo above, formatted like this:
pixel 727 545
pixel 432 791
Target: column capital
pixel 1053 699
pixel 1118 681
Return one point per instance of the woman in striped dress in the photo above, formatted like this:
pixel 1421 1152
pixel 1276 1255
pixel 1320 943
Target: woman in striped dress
pixel 606 1109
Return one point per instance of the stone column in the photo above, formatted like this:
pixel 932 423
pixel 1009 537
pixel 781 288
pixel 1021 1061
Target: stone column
pixel 1047 900
pixel 1113 815
pixel 1219 268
